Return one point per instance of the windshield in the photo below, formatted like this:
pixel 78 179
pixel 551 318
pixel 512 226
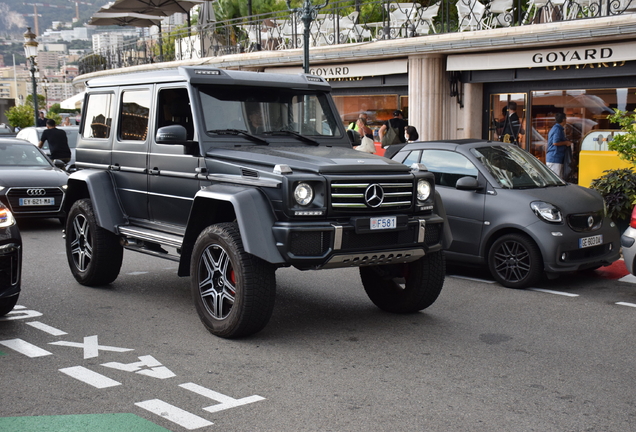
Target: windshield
pixel 267 111
pixel 515 168
pixel 22 155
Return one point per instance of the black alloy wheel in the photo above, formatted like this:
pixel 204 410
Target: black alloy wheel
pixel 515 261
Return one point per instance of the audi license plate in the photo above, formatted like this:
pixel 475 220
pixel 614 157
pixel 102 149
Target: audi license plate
pixel 387 222
pixel 590 241
pixel 37 201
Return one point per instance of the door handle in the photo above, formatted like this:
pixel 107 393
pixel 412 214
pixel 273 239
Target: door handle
pixel 153 171
pixel 115 167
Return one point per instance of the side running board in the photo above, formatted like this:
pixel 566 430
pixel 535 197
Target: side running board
pixel 150 242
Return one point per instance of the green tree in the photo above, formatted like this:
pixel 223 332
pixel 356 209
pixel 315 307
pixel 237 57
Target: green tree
pixel 229 9
pixel 20 116
pixel 55 108
pixel 624 144
pixel 41 102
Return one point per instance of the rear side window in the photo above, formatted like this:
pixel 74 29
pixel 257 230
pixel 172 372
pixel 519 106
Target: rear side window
pixel 98 115
pixel 133 120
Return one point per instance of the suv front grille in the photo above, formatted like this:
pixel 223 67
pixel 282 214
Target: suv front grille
pixel 350 195
pixel 585 222
pixel 14 195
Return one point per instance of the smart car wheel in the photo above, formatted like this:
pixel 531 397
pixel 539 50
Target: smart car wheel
pixel 94 254
pixel 515 261
pixel 233 291
pixel 405 288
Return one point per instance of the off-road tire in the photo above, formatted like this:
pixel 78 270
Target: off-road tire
pixel 405 288
pixel 94 254
pixel 233 291
pixel 515 261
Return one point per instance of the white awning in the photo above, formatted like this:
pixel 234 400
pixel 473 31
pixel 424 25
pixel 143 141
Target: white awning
pixel 74 102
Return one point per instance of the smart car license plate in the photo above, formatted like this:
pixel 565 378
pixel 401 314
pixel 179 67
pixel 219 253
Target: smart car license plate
pixel 387 222
pixel 590 241
pixel 37 201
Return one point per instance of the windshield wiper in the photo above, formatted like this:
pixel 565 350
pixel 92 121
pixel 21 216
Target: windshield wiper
pixel 293 133
pixel 239 132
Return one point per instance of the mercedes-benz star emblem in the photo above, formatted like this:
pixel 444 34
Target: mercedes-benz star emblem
pixel 374 195
pixel 36 192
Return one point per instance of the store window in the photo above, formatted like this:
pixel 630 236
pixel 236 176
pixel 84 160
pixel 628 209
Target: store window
pixel 587 124
pixel 587 114
pixel 379 108
pixel 508 118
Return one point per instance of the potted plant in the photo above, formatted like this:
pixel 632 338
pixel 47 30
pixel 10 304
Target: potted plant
pixel 618 186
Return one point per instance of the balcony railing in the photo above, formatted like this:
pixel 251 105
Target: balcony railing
pixel 345 22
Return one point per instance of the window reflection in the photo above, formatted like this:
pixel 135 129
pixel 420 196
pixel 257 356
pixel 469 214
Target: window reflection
pixel 587 113
pixel 379 108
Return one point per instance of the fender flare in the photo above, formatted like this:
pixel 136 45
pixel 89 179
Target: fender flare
pixel 225 203
pixel 97 185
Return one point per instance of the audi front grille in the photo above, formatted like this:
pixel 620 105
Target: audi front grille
pixel 14 195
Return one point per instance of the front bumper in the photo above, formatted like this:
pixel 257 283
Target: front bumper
pixel 10 269
pixel 315 245
pixel 562 251
pixel 628 243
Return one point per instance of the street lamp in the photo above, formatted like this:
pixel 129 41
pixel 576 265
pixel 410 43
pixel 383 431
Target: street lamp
pixel 31 51
pixel 308 12
pixel 45 87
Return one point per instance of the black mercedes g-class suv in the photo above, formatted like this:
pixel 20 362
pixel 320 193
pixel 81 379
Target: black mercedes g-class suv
pixel 233 174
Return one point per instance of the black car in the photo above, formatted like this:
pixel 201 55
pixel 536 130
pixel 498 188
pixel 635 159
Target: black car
pixel 10 261
pixel 30 185
pixel 507 209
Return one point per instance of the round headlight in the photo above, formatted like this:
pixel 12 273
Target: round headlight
pixel 423 190
pixel 303 194
pixel 546 211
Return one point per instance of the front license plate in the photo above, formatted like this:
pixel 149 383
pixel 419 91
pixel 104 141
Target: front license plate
pixel 379 223
pixel 37 201
pixel 590 241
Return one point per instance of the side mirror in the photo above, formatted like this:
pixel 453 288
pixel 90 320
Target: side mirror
pixel 59 164
pixel 173 134
pixel 467 183
pixel 354 137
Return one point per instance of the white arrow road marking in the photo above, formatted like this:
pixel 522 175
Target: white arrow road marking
pixel 174 414
pixel 18 312
pixel 25 348
pixel 90 346
pixel 156 369
pixel 226 401
pixel 46 328
pixel 89 377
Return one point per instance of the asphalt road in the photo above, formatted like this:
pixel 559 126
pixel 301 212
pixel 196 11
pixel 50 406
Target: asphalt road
pixel 134 356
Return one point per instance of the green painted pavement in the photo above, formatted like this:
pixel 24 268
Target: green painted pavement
pixel 79 423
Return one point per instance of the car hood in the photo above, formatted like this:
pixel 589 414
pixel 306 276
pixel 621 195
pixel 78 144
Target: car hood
pixel 32 176
pixel 570 198
pixel 319 159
